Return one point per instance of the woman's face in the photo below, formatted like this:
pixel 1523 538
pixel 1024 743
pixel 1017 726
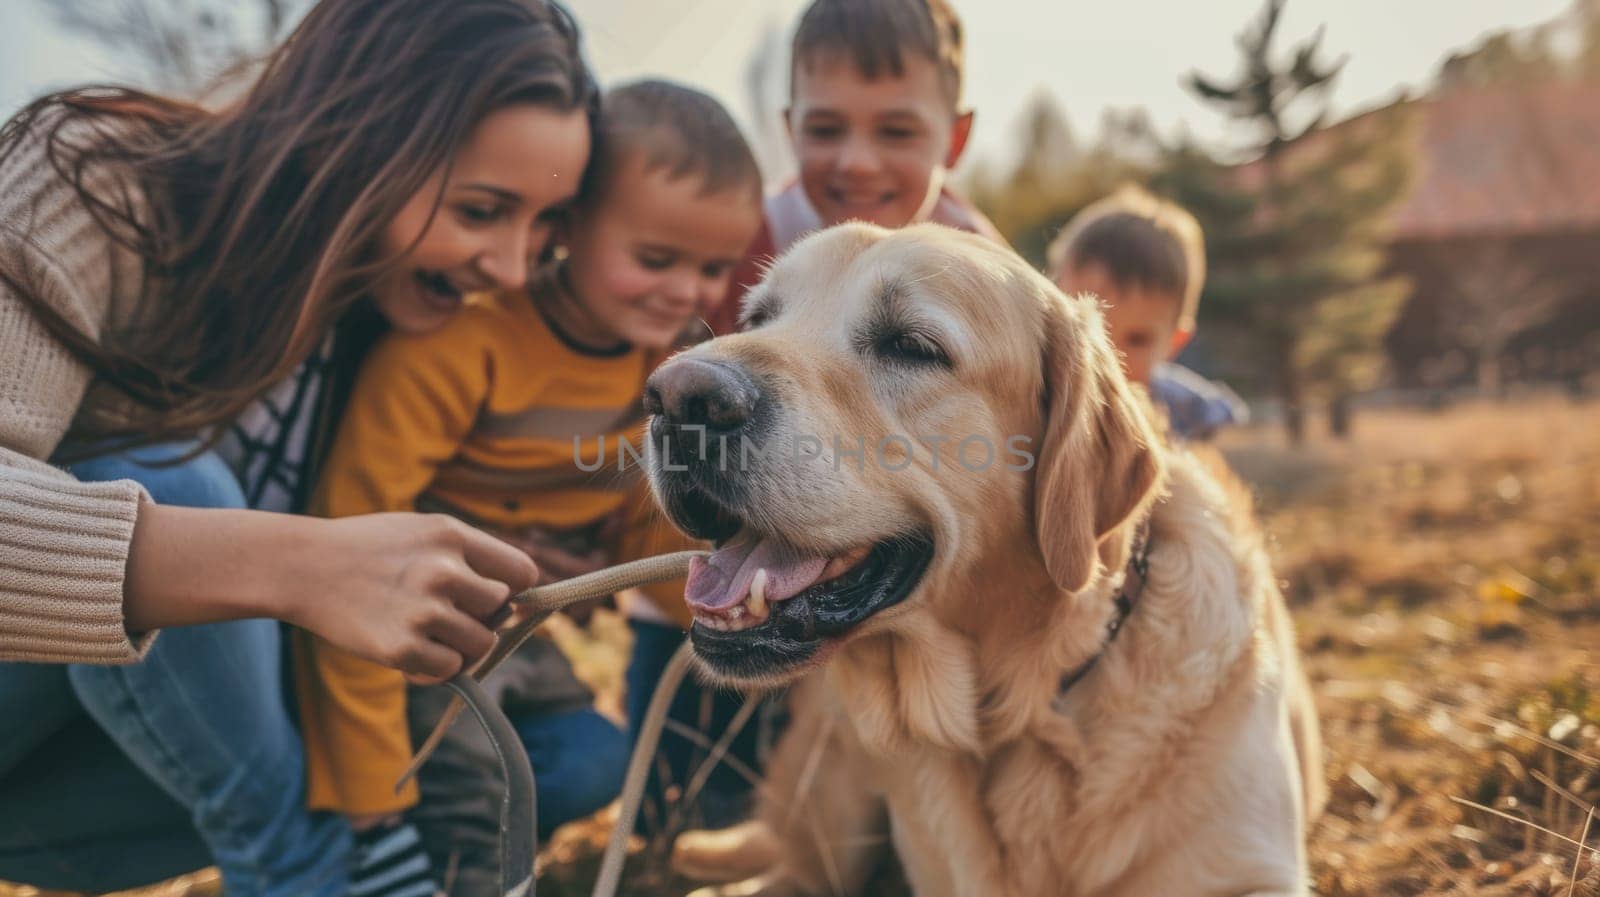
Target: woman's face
pixel 510 179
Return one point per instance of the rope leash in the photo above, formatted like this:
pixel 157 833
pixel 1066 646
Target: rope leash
pixel 655 718
pixel 518 811
pixel 518 833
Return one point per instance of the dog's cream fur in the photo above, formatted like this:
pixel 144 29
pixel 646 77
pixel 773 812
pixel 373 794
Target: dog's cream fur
pixel 1185 763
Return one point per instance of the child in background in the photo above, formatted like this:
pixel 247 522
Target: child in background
pixel 493 418
pixel 1145 258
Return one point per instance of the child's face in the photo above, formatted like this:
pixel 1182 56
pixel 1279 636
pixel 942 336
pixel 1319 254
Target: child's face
pixel 876 150
pixel 654 254
pixel 493 217
pixel 1143 322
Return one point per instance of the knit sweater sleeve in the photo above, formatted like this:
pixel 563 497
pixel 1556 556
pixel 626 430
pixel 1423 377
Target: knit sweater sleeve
pixel 63 543
pixel 63 557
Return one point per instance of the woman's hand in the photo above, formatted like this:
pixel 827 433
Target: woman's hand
pixel 411 591
pixel 562 558
pixel 423 599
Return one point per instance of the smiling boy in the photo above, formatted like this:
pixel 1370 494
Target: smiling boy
pixel 876 124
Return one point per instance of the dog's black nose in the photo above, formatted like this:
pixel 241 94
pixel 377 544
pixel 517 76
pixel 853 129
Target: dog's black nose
pixel 697 392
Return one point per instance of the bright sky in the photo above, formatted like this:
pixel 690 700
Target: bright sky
pixel 1092 54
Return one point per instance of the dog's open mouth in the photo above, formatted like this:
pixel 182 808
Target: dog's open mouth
pixel 762 609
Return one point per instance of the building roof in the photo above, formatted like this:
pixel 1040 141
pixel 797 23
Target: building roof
pixel 1505 160
pixel 1498 161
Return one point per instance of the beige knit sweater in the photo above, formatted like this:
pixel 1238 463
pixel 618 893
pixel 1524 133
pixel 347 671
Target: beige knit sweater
pixel 63 543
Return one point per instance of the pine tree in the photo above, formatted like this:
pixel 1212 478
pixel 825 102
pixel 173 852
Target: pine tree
pixel 1296 237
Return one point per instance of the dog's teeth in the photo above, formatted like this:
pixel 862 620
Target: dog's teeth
pixel 757 602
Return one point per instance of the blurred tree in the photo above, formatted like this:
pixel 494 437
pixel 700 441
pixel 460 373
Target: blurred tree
pixel 1498 293
pixel 1050 146
pixel 1053 176
pixel 1131 135
pixel 179 46
pixel 1297 255
pixel 1504 57
pixel 1565 47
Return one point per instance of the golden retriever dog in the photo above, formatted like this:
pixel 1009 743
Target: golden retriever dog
pixel 1034 648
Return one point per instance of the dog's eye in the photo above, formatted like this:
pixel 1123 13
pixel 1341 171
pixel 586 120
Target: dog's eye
pixel 758 317
pixel 913 347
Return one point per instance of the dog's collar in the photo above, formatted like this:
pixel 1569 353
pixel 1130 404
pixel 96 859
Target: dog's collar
pixel 1132 585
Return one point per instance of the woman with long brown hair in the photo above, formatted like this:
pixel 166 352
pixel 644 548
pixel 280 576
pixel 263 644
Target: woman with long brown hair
pixel 162 266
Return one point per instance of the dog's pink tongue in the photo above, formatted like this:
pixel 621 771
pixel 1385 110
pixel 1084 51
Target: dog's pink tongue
pixel 722 580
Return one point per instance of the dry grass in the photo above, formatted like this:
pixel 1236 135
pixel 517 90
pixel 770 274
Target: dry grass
pixel 1444 569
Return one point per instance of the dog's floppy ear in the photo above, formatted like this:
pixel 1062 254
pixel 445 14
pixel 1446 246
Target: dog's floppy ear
pixel 1099 463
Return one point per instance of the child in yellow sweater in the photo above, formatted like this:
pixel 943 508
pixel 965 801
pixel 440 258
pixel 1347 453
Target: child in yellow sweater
pixel 498 418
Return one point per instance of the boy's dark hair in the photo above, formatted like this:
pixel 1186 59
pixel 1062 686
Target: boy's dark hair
pixel 673 128
pixel 875 34
pixel 1140 240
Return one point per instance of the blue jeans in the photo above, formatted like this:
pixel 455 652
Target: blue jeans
pixel 725 799
pixel 579 759
pixel 203 717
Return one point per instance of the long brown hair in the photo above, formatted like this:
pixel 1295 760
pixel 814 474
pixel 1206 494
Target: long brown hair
pixel 259 222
